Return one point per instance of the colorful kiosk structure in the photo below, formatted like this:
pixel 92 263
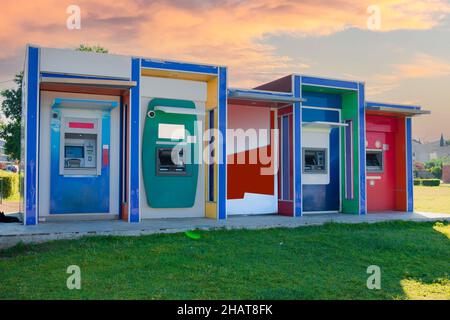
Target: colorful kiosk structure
pixel 117 137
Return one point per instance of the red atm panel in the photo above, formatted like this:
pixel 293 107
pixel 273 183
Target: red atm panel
pixel 386 188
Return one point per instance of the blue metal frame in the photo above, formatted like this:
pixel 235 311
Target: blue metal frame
pixel 211 177
pixel 32 137
pixel 133 206
pixel 322 100
pixel 179 66
pixel 351 86
pixel 362 149
pixel 297 118
pixel 222 126
pixel 409 166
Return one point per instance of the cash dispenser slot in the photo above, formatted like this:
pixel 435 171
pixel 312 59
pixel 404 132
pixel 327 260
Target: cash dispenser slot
pixel 170 161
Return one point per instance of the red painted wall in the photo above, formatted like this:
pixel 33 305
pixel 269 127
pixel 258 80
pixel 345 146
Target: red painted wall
pixel 247 177
pixel 387 192
pixel 244 178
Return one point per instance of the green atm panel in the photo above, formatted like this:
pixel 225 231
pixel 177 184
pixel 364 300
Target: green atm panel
pixel 169 144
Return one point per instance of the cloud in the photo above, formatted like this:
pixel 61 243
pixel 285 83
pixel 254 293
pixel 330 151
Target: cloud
pixel 420 66
pixel 229 32
pixel 378 89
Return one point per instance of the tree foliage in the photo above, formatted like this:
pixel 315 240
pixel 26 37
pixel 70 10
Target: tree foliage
pixel 95 48
pixel 435 166
pixel 11 108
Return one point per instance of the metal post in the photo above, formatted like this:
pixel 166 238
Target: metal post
pixel 1 190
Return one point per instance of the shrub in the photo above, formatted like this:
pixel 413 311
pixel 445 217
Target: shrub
pixel 431 182
pixel 436 172
pixel 9 185
pixel 417 182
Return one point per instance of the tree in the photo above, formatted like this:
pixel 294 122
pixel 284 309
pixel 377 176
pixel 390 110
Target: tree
pixel 442 142
pixel 436 172
pixel 11 108
pixel 95 48
pixel 435 166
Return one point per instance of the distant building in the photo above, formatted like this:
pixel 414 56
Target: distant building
pixel 424 152
pixel 3 157
pixel 446 173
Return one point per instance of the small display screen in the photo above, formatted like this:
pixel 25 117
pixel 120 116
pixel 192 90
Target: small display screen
pixel 171 131
pixel 74 152
pixel 314 161
pixel 374 161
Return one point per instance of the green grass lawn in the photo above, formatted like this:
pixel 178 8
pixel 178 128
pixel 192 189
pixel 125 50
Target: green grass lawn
pixel 316 262
pixel 432 199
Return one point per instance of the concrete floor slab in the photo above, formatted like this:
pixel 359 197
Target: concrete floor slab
pixel 13 233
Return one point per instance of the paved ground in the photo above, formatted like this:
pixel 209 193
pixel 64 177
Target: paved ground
pixel 12 233
pixel 9 206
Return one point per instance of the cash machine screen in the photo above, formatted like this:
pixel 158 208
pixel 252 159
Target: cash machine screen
pixel 80 151
pixel 74 151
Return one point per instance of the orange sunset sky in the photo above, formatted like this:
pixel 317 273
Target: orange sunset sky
pixel 406 60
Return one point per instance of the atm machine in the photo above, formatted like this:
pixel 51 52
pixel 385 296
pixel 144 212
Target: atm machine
pixel 169 145
pixel 321 160
pixel 79 157
pixel 80 153
pixel 79 148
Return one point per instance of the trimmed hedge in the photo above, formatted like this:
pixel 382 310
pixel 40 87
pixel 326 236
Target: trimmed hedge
pixel 427 182
pixel 9 185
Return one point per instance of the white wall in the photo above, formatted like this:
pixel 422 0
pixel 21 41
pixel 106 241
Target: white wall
pixel 152 87
pixel 85 63
pixel 173 89
pixel 46 102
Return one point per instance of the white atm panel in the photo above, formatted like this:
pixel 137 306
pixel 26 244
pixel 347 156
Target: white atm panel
pixel 316 155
